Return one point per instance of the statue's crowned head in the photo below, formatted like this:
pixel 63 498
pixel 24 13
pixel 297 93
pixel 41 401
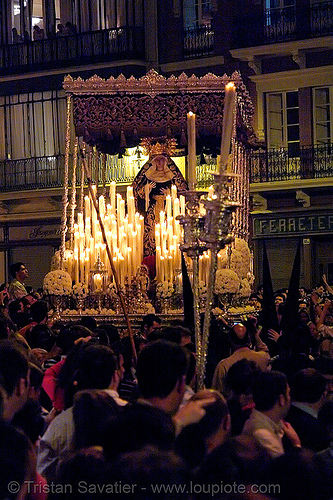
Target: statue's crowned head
pixel 154 146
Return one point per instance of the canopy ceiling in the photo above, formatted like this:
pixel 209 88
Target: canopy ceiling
pixel 117 113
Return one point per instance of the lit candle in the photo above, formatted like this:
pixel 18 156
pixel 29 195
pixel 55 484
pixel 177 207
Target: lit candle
pixel 76 265
pixel 173 192
pixel 92 251
pixel 157 235
pixel 87 267
pixel 168 206
pixel 87 208
pixel 182 204
pixel 76 237
pixel 227 124
pixel 101 205
pixel 80 220
pixel 192 159
pixel 113 197
pixel 162 270
pixel 82 259
pixel 158 263
pixel 98 282
pixel 122 209
pixel 175 207
pixel 118 209
pixel 87 230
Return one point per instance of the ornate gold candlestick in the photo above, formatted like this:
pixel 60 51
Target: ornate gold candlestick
pixel 193 224
pixel 216 235
pixel 212 232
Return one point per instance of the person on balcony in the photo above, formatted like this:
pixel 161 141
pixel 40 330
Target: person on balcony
pixel 15 36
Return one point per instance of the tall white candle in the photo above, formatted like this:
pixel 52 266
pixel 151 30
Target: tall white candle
pixel 228 123
pixel 192 159
pixel 113 197
pixel 168 206
pixel 182 204
pixel 86 267
pixel 101 205
pixel 76 265
pixel 87 208
pixel 173 192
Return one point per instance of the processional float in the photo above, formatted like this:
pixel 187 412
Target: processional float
pixel 108 115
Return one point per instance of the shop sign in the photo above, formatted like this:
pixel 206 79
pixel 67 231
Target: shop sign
pixel 296 225
pixel 33 233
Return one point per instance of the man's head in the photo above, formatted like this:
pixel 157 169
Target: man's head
pixel 308 386
pixel 161 372
pixel 19 271
pixel 278 299
pixel 14 375
pixel 150 322
pixel 215 426
pixel 239 336
pixel 271 391
pixel 38 311
pixel 17 463
pixel 325 367
pixel 97 367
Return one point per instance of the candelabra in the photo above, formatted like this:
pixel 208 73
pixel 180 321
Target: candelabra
pixel 201 232
pixel 193 226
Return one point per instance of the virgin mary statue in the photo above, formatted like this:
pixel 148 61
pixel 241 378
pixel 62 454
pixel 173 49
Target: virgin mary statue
pixel 153 183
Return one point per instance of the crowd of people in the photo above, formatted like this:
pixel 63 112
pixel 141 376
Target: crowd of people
pixel 84 415
pixel 38 33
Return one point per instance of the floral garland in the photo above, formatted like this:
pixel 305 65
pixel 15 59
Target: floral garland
pixel 57 282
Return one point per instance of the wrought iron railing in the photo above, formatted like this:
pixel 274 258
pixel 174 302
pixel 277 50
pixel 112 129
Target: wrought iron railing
pixel 59 51
pixel 48 172
pixel 265 166
pixel 279 165
pixel 283 24
pixel 31 173
pixel 198 41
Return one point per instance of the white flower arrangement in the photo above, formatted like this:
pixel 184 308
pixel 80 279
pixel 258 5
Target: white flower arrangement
pixel 250 278
pixel 164 290
pixel 226 281
pixel 245 288
pixel 57 282
pixel 242 247
pixel 240 263
pixel 80 290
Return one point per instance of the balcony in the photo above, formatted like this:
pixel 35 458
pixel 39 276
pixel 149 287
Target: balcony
pixel 63 51
pixel 284 24
pixel 273 165
pixel 198 42
pixel 48 172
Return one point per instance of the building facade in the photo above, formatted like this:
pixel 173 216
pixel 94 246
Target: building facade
pixel 283 50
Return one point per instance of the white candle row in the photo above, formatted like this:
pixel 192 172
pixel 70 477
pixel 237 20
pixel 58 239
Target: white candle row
pixel 124 235
pixel 168 235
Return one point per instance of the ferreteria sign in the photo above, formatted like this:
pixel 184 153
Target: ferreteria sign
pixel 292 225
